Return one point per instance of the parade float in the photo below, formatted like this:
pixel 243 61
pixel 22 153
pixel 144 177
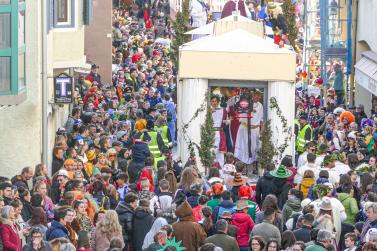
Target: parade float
pixel 235 62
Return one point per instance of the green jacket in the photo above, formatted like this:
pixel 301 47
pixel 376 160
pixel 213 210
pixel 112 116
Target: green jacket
pixel 213 203
pixel 252 209
pixel 290 207
pixel 223 241
pixel 350 205
pixel 315 247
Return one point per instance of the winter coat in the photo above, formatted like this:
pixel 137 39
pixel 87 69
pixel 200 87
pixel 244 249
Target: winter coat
pixel 303 234
pixel 190 233
pixel 305 185
pixel 290 207
pixel 225 205
pixel 223 241
pixel 278 222
pixel 140 152
pixel 281 189
pixel 350 205
pixel 267 231
pixel 125 214
pixel 264 187
pixel 245 224
pixel 9 238
pixel 45 247
pixel 56 230
pixel 141 224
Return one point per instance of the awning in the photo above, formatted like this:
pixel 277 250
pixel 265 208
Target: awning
pixel 366 71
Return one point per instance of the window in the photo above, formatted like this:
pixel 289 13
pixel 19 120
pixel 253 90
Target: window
pixel 62 11
pixel 12 47
pixel 5 74
pixel 4 30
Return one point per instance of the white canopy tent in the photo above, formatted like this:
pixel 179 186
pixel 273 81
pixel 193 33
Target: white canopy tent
pixel 236 56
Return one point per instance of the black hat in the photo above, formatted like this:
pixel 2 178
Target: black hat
pixel 94 66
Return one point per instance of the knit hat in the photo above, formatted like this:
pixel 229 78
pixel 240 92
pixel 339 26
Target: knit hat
pixel 282 172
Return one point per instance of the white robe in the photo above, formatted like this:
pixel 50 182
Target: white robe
pixel 218 117
pixel 241 150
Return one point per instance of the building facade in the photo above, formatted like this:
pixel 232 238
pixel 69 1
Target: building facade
pixel 24 30
pixel 366 55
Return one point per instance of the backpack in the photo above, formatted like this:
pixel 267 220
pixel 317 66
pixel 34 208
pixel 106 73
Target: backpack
pixel 224 209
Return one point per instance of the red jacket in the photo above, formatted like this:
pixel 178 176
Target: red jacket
pixel 197 213
pixel 245 224
pixel 10 239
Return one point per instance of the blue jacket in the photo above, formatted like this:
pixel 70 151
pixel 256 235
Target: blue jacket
pixel 57 230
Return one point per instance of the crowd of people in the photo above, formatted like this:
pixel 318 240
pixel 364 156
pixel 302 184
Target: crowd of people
pixel 116 186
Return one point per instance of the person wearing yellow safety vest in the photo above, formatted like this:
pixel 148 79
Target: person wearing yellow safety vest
pixel 154 141
pixel 304 134
pixel 162 128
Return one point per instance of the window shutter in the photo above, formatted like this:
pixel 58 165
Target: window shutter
pixel 88 11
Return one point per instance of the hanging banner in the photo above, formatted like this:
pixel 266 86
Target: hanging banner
pixel 63 89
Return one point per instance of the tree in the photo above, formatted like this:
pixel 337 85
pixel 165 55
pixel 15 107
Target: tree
pixel 289 14
pixel 180 27
pixel 267 151
pixel 207 139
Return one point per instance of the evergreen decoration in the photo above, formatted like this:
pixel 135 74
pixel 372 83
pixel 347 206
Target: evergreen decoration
pixel 207 139
pixel 267 151
pixel 181 26
pixel 190 144
pixel 289 14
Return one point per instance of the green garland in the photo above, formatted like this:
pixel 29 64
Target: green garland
pixel 287 130
pixel 207 140
pixel 190 144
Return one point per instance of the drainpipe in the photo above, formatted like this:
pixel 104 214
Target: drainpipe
pixel 44 86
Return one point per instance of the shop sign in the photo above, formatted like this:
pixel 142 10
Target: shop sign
pixel 63 89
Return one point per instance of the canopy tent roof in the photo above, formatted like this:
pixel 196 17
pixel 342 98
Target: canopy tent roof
pixel 237 54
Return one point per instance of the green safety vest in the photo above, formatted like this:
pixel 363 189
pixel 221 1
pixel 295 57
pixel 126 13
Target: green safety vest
pixel 300 141
pixel 152 145
pixel 156 160
pixel 164 134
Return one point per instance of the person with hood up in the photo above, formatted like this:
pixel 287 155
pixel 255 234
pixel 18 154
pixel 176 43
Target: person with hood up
pixel 186 230
pixel 125 211
pixel 244 223
pixel 349 203
pixel 293 204
pixel 157 225
pixel 141 224
pixel 280 185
